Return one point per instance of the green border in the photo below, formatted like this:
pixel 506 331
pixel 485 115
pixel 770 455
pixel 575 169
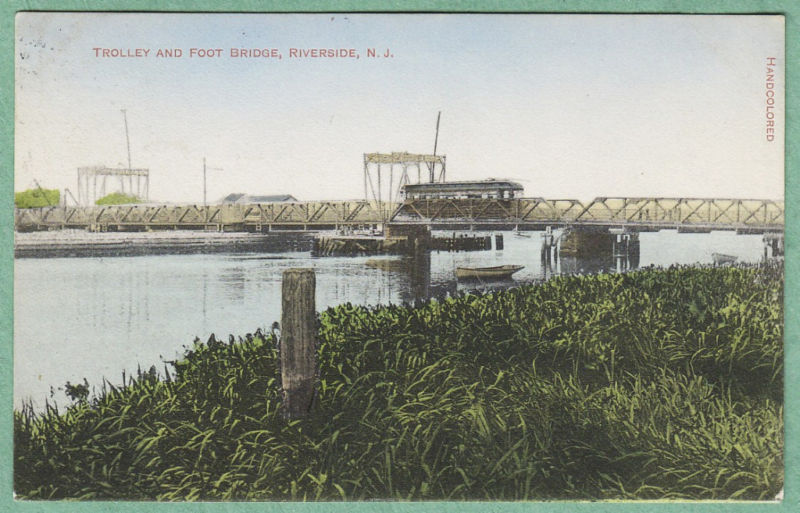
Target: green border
pixel 790 8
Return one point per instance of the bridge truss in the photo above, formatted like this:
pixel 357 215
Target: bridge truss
pixel 634 214
pixel 230 217
pixel 638 214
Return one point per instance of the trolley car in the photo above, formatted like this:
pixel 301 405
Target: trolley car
pixel 487 189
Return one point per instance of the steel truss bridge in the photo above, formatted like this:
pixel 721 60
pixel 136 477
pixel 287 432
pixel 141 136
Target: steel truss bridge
pixel 312 215
pixel 632 214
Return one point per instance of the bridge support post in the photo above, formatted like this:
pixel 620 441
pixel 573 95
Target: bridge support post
pixel 549 250
pixel 633 250
pixel 556 249
pixel 626 251
pixel 773 245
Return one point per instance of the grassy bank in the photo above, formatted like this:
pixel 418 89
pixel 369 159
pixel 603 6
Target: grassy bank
pixel 654 384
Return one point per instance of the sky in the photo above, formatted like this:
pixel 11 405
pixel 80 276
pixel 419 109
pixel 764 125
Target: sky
pixel 571 106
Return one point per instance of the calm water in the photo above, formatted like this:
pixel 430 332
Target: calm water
pixel 94 317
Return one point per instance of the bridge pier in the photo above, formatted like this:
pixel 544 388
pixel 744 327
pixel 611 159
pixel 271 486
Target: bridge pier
pixel 773 245
pixel 587 243
pixel 616 248
pixel 419 273
pixel 418 236
pixel 626 251
pixel 550 247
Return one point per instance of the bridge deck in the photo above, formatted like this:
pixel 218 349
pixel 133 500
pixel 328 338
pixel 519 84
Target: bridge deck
pixel 690 214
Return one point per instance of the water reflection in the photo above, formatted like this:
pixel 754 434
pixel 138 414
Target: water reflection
pixel 94 317
pixel 235 280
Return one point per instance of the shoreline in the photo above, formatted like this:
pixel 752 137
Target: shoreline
pixel 497 373
pixel 80 243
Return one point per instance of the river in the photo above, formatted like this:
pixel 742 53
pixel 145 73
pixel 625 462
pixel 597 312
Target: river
pixel 92 318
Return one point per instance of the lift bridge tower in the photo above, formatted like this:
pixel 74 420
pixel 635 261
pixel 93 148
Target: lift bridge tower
pixel 385 174
pixel 93 182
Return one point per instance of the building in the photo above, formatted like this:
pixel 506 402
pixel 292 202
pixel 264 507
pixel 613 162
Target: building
pixel 241 198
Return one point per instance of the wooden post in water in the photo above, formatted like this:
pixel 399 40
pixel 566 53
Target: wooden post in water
pixel 298 340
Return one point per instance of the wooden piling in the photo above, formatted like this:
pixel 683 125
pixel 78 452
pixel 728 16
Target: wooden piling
pixel 298 341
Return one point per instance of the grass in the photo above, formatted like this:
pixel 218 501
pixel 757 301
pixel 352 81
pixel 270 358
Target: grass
pixel 647 385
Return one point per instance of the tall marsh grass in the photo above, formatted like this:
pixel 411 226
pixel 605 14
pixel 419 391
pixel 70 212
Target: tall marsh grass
pixel 647 385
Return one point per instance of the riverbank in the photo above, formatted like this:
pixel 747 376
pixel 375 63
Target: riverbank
pixel 657 384
pixel 81 243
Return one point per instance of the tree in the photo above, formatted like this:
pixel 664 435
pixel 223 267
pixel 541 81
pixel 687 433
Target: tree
pixel 37 198
pixel 117 198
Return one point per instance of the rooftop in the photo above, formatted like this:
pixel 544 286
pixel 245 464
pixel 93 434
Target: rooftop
pixel 239 197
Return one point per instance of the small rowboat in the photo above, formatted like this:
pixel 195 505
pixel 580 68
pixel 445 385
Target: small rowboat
pixel 721 258
pixel 499 272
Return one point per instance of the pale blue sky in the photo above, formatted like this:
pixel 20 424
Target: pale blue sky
pixel 573 106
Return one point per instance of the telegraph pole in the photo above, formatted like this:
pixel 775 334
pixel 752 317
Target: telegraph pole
pixel 205 189
pixel 127 137
pixel 128 144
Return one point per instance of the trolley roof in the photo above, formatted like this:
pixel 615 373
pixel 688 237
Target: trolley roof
pixel 490 184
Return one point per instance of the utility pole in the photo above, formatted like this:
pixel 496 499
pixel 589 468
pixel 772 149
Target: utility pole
pixel 128 145
pixel 127 137
pixel 205 189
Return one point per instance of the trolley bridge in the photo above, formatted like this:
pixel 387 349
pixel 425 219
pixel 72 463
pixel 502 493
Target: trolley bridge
pixel 631 214
pixel 634 214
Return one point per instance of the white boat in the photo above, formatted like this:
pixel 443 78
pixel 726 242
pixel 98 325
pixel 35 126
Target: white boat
pixel 499 272
pixel 721 258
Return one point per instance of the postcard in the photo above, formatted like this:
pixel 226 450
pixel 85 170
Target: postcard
pixel 398 256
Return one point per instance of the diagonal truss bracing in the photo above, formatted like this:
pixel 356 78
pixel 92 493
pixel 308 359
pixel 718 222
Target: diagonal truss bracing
pixel 234 216
pixel 634 213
